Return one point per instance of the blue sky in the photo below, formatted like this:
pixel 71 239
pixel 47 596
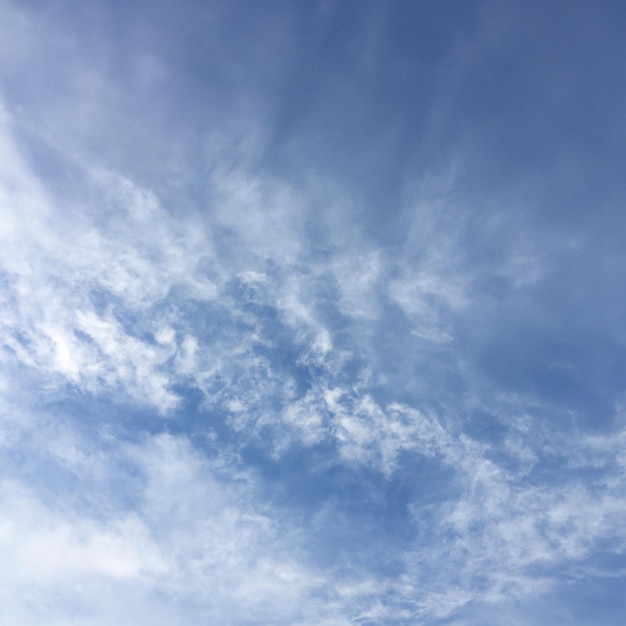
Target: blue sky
pixel 313 313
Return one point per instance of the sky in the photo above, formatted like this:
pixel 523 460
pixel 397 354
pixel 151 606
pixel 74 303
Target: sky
pixel 313 313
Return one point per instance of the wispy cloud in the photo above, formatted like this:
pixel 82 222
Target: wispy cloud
pixel 295 328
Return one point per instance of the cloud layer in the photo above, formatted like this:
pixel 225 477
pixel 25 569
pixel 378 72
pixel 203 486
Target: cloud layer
pixel 305 330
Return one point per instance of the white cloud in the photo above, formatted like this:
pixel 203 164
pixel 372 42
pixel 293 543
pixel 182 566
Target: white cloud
pixel 502 539
pixel 57 263
pixel 98 312
pixel 295 326
pixel 192 545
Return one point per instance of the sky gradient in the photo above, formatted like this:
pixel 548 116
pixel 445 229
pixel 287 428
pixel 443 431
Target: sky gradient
pixel 313 313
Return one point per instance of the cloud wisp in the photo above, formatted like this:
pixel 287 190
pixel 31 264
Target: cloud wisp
pixel 289 336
